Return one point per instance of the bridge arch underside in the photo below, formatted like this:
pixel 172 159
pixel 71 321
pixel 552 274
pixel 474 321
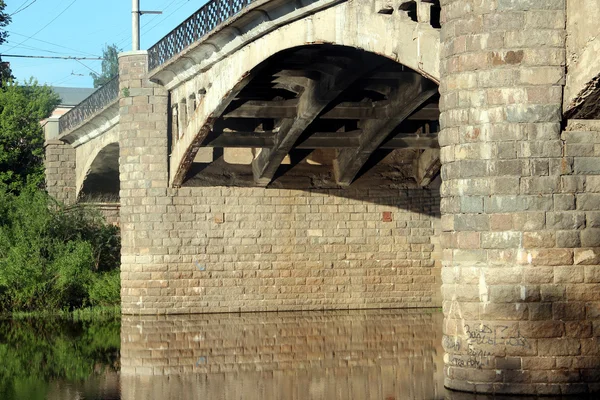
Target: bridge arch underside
pixel 315 117
pixel 101 181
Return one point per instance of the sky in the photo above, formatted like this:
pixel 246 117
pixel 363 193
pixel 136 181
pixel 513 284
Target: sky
pixel 80 28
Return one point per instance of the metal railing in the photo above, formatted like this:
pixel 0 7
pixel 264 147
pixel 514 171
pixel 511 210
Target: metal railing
pixel 194 28
pixel 91 105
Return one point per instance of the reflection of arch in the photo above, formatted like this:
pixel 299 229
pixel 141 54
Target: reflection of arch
pixel 353 24
pixel 101 180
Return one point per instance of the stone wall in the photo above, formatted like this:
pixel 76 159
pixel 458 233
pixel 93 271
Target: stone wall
pixel 59 163
pixel 518 206
pixel 218 249
pixel 354 355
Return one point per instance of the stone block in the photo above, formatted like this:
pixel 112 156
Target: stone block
pixel 568 274
pixel 559 347
pixel 553 293
pixel 588 201
pixel 545 239
pixel 471 222
pixel 503 204
pixel 586 165
pixel 568 311
pixel 592 273
pixel 528 5
pixel 529 221
pixel 501 240
pixel 566 239
pixel 542 329
pixel 590 237
pixel 565 220
pixel 501 222
pixel 564 202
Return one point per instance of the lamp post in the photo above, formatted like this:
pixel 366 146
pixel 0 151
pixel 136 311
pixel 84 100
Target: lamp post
pixel 135 23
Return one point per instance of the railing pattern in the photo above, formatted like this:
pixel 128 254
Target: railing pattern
pixel 94 103
pixel 194 28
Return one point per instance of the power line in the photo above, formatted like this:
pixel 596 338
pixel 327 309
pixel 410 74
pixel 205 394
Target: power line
pixel 52 57
pixel 50 43
pixel 86 67
pixel 45 26
pixel 22 9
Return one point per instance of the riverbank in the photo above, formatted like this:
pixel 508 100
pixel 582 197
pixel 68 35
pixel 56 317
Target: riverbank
pixel 82 314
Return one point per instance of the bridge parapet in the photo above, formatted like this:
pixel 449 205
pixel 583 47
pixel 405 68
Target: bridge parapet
pixel 95 103
pixel 208 17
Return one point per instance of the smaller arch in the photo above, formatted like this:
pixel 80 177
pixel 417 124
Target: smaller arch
pixel 102 182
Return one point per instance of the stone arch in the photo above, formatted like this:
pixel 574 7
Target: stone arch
pixel 100 181
pixel 225 70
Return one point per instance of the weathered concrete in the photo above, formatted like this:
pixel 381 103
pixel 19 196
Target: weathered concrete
pixel 583 46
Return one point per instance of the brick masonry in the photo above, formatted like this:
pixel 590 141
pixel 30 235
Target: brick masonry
pixel 59 164
pixel 218 249
pixel 339 354
pixel 520 266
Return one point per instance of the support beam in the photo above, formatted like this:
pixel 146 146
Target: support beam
pixel 319 140
pixel 427 166
pixel 405 99
pixel 315 98
pixel 359 111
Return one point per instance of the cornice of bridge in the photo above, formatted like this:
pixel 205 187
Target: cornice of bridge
pixel 254 21
pixel 94 126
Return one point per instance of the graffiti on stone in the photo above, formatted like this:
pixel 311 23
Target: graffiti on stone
pixel 496 335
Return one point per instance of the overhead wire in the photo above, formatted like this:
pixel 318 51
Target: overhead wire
pixel 51 57
pixel 18 10
pixel 53 44
pixel 45 26
pixel 22 9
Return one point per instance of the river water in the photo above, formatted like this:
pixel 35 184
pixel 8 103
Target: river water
pixel 384 355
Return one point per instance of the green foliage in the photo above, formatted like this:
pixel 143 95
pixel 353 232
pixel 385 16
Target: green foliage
pixel 110 65
pixel 37 351
pixel 53 258
pixel 22 107
pixel 105 289
pixel 5 73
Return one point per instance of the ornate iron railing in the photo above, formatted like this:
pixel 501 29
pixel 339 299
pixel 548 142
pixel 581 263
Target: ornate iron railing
pixel 194 28
pixel 91 105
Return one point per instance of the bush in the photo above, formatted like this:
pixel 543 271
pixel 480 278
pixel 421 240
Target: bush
pixel 52 258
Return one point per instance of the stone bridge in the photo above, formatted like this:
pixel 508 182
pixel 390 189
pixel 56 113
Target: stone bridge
pixel 280 155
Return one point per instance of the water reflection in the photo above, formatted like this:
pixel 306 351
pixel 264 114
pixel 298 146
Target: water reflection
pixel 59 359
pixel 362 355
pixel 347 355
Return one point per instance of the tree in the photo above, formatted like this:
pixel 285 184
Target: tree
pixel 22 107
pixel 110 65
pixel 5 72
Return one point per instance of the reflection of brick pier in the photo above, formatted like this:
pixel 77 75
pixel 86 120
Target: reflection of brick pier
pixel 361 354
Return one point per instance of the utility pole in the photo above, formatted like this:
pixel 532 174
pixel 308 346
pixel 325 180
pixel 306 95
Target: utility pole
pixel 135 23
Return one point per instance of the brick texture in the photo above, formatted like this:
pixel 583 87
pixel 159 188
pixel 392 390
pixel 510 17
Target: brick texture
pixel 59 164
